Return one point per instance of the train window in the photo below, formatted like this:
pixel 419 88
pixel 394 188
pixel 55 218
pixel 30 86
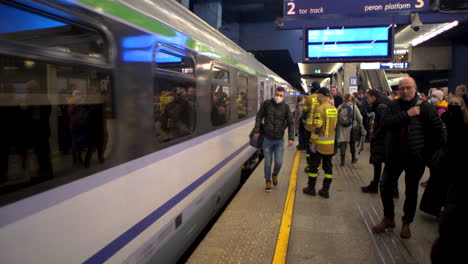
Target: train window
pixel 174 61
pixel 242 95
pixel 28 28
pixel 220 96
pixel 262 93
pixel 174 101
pixel 56 125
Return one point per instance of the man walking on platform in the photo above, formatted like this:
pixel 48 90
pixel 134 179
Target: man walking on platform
pixel 323 147
pixel 414 133
pixel 276 116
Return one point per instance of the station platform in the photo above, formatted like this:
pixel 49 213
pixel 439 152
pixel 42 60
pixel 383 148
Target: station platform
pixel 334 230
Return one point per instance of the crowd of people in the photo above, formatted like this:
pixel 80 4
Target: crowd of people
pixel 407 132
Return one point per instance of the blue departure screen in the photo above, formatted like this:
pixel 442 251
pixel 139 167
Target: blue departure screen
pixel 349 44
pixel 348 34
pixel 348 50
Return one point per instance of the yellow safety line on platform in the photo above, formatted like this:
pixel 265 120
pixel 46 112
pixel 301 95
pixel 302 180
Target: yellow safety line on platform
pixel 281 249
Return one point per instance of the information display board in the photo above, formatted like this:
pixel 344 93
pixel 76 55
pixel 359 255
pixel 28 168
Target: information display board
pixel 303 8
pixel 349 44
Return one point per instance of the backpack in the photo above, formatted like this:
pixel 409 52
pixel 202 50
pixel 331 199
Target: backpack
pixel 345 116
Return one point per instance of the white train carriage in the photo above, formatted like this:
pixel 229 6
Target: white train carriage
pixel 125 127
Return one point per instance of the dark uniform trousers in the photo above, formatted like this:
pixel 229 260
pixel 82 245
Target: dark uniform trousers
pixel 314 164
pixel 414 170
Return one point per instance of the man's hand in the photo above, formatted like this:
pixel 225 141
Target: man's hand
pixel 290 143
pixel 312 149
pixel 256 136
pixel 414 111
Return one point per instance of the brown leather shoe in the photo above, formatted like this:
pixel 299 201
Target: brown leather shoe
pixel 384 224
pixel 405 230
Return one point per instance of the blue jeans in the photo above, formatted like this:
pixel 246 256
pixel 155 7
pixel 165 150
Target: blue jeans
pixel 270 147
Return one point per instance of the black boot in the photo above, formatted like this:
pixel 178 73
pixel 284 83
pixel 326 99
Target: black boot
pixel 342 160
pixel 326 186
pixel 371 188
pixel 396 193
pixel 310 189
pixel 353 153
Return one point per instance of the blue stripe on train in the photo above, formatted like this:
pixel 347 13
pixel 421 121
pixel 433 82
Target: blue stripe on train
pixel 117 244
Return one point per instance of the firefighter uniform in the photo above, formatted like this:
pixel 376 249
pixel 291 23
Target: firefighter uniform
pixel 324 124
pixel 241 107
pixel 310 104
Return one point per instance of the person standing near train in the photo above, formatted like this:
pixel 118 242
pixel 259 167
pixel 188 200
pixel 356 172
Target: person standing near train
pixel 322 147
pixel 276 116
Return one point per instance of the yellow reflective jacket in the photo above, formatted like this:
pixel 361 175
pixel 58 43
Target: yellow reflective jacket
pixel 310 105
pixel 324 124
pixel 241 107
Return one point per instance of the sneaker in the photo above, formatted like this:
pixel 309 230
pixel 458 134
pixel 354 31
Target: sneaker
pixel 268 186
pixel 275 180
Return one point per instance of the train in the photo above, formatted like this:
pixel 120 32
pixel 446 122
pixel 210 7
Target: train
pixel 125 128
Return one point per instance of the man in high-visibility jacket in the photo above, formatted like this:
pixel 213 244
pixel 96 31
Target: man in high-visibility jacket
pixel 242 105
pixel 310 104
pixel 322 147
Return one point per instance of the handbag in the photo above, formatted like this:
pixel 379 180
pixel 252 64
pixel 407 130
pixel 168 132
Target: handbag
pixel 259 142
pixel 355 135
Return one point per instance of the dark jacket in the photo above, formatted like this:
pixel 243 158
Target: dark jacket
pixel 377 142
pixel 276 118
pixel 418 137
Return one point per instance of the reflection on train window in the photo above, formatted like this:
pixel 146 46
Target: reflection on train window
pixel 37 30
pixel 242 93
pixel 174 61
pixel 220 96
pixel 174 102
pixel 262 93
pixel 56 124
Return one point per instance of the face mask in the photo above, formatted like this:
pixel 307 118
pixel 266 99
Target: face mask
pixel 278 99
pixel 433 100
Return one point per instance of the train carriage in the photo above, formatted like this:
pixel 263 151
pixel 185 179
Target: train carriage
pixel 125 128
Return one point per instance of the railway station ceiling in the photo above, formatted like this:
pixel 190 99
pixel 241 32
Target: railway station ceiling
pixel 280 60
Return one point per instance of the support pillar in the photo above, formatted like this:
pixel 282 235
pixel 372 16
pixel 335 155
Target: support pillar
pixel 210 11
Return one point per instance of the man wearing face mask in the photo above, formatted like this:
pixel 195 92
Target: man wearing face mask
pixel 414 134
pixel 276 116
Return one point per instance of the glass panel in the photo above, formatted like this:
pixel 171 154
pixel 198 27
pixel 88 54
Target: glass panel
pixel 221 74
pixel 32 29
pixel 262 93
pixel 220 104
pixel 242 103
pixel 174 102
pixel 174 61
pixel 55 118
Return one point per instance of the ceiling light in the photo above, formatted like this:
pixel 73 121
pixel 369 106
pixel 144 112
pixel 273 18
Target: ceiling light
pixel 434 33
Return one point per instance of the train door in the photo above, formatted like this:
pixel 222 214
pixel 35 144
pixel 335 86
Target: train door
pixel 261 93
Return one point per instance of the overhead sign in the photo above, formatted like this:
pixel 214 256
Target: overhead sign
pixel 353 86
pixel 349 44
pixel 389 65
pixel 302 8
